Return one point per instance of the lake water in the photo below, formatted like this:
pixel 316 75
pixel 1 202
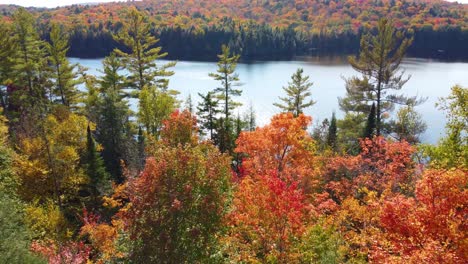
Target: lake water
pixel 263 82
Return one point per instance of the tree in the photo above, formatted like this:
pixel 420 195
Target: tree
pixel 30 64
pixel 65 79
pixel 370 128
pixel 180 129
pixel 207 112
pixel 189 104
pixel 99 180
pixel 114 130
pixel 6 63
pixel 332 136
pixel 452 150
pixel 14 235
pixel 408 125
pixel 229 79
pixel 155 106
pixel 379 62
pixel 182 194
pixel 428 227
pixel 267 219
pixel 141 61
pixel 250 118
pixel 282 147
pixel 297 92
pixel 53 178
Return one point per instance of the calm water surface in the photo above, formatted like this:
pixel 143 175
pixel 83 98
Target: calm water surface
pixel 263 82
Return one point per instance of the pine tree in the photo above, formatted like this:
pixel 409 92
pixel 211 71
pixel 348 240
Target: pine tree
pixel 30 69
pixel 207 112
pixel 189 104
pixel 6 63
pixel 65 79
pixel 371 125
pixel 141 141
pixel 113 125
pixel 96 171
pixel 332 136
pixel 379 63
pixel 229 79
pixel 250 119
pixel 297 91
pixel 141 60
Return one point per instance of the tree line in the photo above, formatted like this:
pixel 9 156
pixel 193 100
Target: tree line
pixel 86 179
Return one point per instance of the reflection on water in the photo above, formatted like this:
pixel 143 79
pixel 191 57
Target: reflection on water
pixel 263 81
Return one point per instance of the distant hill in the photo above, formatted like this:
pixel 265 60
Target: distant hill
pixel 267 28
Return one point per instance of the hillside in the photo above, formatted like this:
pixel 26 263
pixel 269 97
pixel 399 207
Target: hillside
pixel 267 28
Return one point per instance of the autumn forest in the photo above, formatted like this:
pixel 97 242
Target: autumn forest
pixel 86 178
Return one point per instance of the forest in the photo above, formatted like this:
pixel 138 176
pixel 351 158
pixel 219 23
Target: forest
pixel 86 179
pixel 262 30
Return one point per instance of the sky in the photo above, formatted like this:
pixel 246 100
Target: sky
pixel 55 3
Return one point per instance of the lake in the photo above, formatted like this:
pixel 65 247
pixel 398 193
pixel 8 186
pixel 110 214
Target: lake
pixel 263 82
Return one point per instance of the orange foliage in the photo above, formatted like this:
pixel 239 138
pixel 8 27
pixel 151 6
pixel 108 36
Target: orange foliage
pixel 430 228
pixel 283 147
pixel 382 166
pixel 268 216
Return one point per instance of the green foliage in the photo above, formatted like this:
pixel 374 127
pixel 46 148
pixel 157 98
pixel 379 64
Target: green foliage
pixel 207 112
pixel 379 63
pixel 409 125
pixel 229 79
pixel 182 194
pixel 351 127
pixel 14 235
pixel 155 106
pixel 332 136
pixel 321 245
pixel 114 130
pixel 141 61
pixel 297 91
pixel 452 150
pixel 99 181
pixel 30 69
pixel 6 63
pixel 63 75
pixel 370 129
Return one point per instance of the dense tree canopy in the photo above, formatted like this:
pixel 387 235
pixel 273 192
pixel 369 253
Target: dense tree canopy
pixel 85 179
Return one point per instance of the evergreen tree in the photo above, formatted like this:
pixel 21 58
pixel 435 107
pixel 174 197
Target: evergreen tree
pixel 250 119
pixel 189 104
pixel 65 79
pixel 332 136
pixel 6 63
pixel 297 91
pixel 113 125
pixel 370 129
pixel 96 171
pixel 320 134
pixel 141 141
pixel 379 63
pixel 229 79
pixel 14 237
pixel 207 112
pixel 30 67
pixel 141 61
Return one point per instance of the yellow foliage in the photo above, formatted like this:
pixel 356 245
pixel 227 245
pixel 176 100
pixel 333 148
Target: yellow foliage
pixel 49 163
pixel 47 222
